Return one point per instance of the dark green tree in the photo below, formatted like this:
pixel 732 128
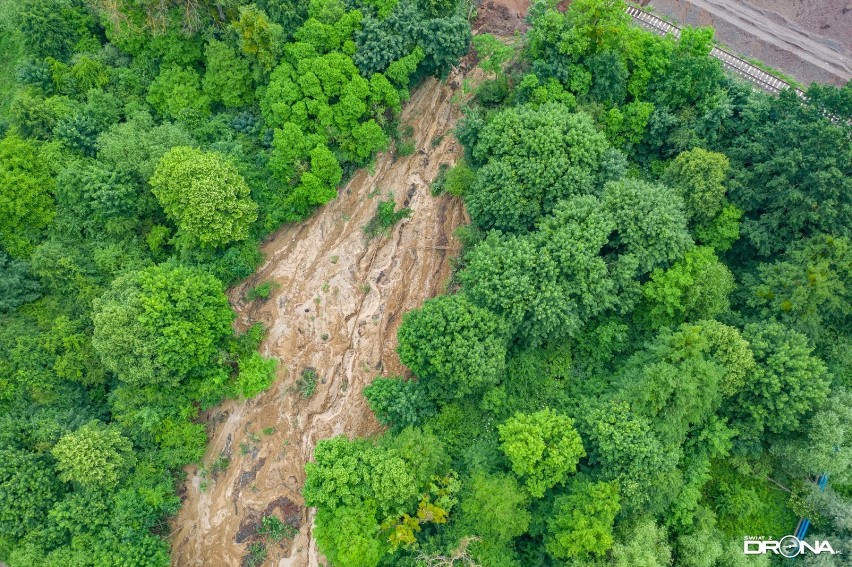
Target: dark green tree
pixel 787 385
pixel 28 489
pixel 452 345
pixel 159 325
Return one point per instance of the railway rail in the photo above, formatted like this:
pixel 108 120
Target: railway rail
pixel 739 66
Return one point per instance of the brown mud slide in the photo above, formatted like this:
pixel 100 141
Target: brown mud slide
pixel 336 308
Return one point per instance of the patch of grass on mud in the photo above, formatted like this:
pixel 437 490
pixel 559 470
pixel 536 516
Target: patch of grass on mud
pixel 275 529
pixel 261 291
pixel 256 555
pixel 307 383
pixel 387 215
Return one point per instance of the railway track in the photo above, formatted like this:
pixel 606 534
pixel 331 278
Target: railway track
pixel 737 65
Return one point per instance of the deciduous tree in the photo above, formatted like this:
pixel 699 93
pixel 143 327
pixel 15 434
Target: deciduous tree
pixel 581 524
pixel 455 347
pixel 205 195
pixel 95 456
pixel 161 324
pixel 543 448
pixel 26 195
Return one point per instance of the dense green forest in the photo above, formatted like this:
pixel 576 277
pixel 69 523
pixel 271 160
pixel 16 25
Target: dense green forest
pixel 145 149
pixel 644 357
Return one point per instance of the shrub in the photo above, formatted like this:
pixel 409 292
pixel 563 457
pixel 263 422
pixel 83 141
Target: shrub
pixel 307 382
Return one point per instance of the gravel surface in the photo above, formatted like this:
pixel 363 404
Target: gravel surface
pixel 795 41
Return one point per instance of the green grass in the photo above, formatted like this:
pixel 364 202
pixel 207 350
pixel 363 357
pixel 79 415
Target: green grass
pixel 261 291
pixel 386 217
pixel 256 556
pixel 307 383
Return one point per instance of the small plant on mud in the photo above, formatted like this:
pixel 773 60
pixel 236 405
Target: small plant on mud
pixel 307 383
pixel 220 464
pixel 268 430
pixel 404 141
pixel 334 259
pixel 439 185
pixel 405 148
pixel 261 291
pixel 366 288
pixel 256 555
pixel 275 529
pixel 386 216
pixel 459 179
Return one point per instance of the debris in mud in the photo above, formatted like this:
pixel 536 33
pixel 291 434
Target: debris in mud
pixel 501 17
pixel 249 475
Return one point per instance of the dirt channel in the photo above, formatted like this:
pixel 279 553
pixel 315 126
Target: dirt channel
pixel 339 301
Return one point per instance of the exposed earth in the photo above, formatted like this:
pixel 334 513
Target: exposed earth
pixel 810 40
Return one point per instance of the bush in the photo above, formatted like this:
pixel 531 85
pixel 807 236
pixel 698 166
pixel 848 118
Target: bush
pixel 261 291
pixel 459 179
pixel 386 217
pixel 256 374
pixel 493 92
pixel 275 529
pixel 405 148
pixel 307 382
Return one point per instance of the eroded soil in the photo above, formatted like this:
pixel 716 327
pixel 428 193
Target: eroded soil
pixel 339 301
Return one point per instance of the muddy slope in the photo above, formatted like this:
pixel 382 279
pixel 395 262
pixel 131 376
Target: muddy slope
pixel 337 308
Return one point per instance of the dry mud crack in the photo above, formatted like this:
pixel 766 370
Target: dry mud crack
pixel 337 308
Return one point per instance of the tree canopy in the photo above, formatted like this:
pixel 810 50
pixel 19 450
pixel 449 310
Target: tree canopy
pixel 205 195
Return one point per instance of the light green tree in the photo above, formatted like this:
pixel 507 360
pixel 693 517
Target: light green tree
pixel 543 448
pixel 205 195
pixel 581 523
pixel 26 200
pixel 494 507
pixel 95 456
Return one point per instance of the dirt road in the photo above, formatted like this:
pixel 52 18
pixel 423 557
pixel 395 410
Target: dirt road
pixel 777 40
pixel 339 302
